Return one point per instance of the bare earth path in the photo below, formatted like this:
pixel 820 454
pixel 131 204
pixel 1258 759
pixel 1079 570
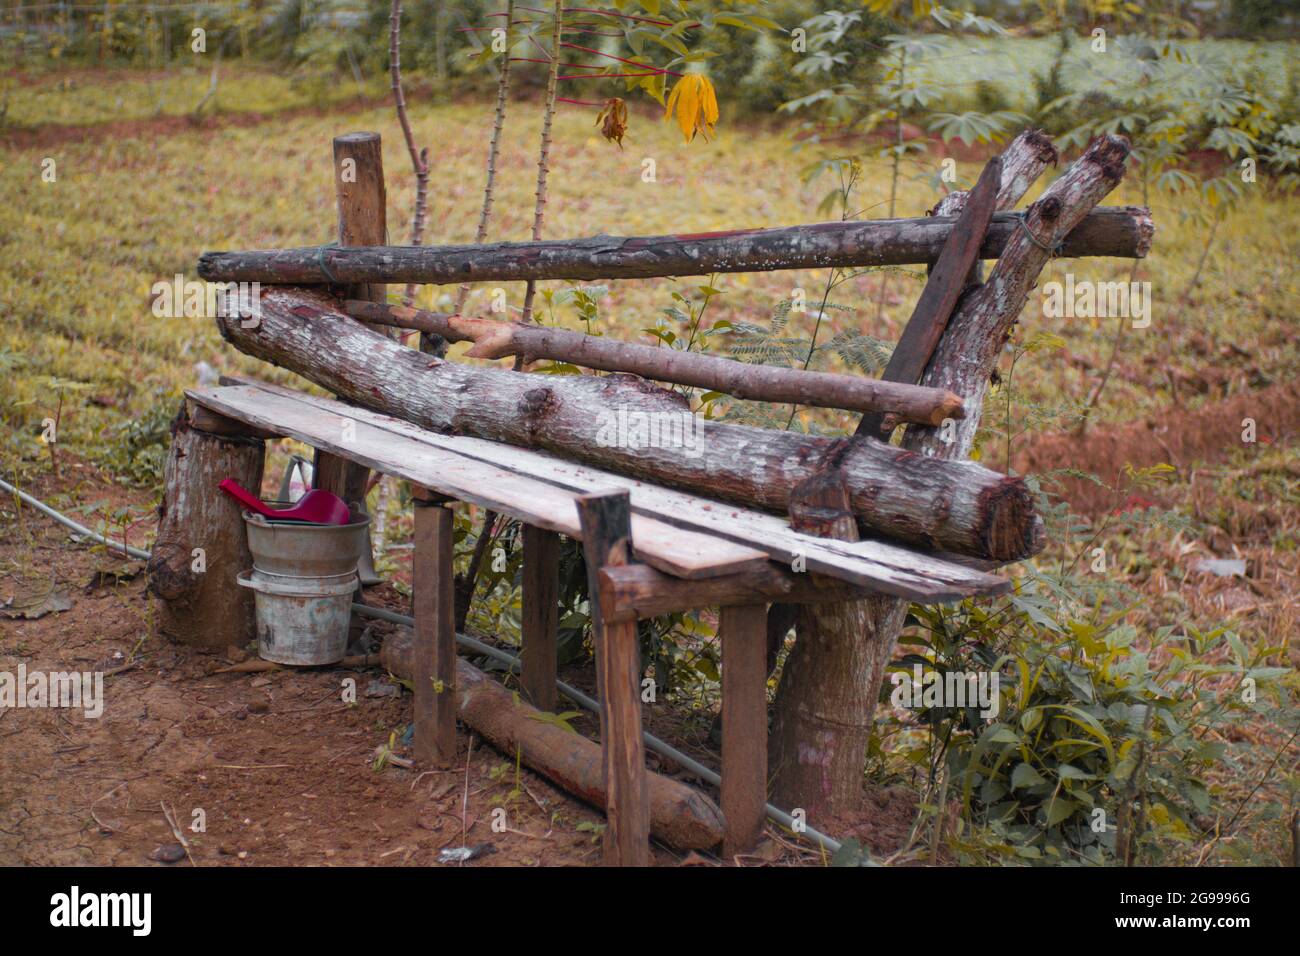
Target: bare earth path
pixel 280 768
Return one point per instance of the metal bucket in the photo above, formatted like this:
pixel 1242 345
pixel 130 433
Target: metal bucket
pixel 306 550
pixel 303 579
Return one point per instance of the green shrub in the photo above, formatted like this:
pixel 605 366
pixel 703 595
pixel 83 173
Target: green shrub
pixel 136 450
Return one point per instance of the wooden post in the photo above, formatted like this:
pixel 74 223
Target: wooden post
pixel 948 279
pixel 202 545
pixel 743 630
pixel 541 616
pixel 434 674
pixel 816 754
pixel 362 202
pixel 606 522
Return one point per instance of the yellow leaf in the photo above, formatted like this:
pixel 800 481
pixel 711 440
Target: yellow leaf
pixel 696 104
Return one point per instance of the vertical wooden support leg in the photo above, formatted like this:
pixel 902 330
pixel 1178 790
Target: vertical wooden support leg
pixel 435 635
pixel 541 615
pixel 743 630
pixel 202 544
pixel 362 202
pixel 607 541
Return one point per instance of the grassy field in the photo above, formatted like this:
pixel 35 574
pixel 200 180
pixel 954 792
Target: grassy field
pixel 78 256
pixel 80 98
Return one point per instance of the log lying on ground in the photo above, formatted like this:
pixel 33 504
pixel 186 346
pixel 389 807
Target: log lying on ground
pixel 959 507
pixel 682 817
pixel 1117 231
pixel 765 383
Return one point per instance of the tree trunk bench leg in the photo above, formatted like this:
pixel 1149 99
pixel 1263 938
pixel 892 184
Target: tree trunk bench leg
pixel 435 634
pixel 607 535
pixel 202 545
pixel 743 631
pixel 540 616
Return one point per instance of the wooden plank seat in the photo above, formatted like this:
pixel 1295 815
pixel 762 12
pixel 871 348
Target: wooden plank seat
pixel 875 565
pixel 694 552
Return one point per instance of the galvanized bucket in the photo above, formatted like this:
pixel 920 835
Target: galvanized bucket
pixel 303 579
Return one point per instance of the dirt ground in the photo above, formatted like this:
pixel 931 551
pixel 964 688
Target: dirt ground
pixel 279 770
pixel 275 766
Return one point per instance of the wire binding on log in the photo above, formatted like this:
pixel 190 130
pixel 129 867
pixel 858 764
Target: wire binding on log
pixel 324 266
pixel 1053 250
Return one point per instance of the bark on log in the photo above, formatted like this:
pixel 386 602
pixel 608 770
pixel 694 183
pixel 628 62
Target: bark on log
pixel 680 816
pixel 819 738
pixel 204 607
pixel 1119 231
pixel 968 351
pixel 963 361
pixel 494 339
pixel 1023 161
pixel 959 507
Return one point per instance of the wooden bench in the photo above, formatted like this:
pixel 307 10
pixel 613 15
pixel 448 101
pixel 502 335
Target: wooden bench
pixel 651 550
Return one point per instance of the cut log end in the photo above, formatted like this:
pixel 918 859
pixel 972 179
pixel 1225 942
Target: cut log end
pixel 952 407
pixel 1111 153
pixel 1011 530
pixel 1146 230
pixel 1043 146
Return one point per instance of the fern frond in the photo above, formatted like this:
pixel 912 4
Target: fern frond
pixel 869 355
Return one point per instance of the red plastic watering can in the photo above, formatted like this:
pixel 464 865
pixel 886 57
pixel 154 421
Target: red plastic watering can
pixel 315 507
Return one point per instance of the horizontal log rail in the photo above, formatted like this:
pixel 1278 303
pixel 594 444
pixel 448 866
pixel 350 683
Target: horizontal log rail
pixel 959 507
pixel 638 591
pixel 494 339
pixel 1121 231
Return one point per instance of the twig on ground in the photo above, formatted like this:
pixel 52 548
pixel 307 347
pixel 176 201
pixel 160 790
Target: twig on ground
pixel 176 832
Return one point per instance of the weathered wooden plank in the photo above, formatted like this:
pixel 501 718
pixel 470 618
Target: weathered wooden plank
pixel 881 566
pixel 350 432
pixel 743 631
pixel 434 677
pixel 606 532
pixel 942 289
pixel 1116 231
pixel 638 591
pixel 541 587
pixel 206 420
